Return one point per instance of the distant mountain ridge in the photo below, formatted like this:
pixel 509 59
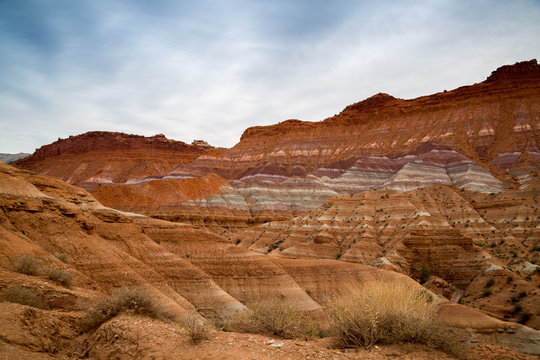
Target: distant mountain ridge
pixel 9 158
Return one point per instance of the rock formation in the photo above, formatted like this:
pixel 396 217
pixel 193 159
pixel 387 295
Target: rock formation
pixel 100 157
pixel 186 268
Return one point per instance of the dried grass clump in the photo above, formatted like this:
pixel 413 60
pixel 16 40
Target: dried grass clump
pixel 61 277
pixel 389 312
pixel 132 300
pixel 278 317
pixel 63 257
pixel 27 265
pixel 23 296
pixel 196 328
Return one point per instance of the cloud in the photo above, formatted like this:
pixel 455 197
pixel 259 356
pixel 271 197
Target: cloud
pixel 208 70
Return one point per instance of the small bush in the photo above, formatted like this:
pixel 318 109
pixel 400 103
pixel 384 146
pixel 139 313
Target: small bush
pixel 23 296
pixel 522 294
pixel 196 328
pixel 133 300
pixel 490 283
pixel 509 279
pixel 62 257
pixel 486 293
pixel 524 317
pixel 61 277
pixel 275 316
pixel 424 274
pixel 388 312
pixel 27 265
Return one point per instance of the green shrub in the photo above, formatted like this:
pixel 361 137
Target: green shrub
pixel 486 293
pixel 23 296
pixel 424 274
pixel 524 317
pixel 27 265
pixel 133 300
pixel 388 312
pixel 275 316
pixel 490 283
pixel 61 277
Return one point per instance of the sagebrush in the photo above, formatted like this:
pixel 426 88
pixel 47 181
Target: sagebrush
pixel 23 296
pixel 27 265
pixel 62 277
pixel 196 327
pixel 278 317
pixel 388 312
pixel 132 300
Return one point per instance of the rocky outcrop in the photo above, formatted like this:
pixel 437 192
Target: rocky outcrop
pixel 483 122
pixel 261 195
pixel 101 157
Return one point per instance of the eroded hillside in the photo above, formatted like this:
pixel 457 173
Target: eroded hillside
pixel 187 269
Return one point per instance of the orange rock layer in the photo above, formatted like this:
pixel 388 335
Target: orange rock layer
pixel 100 157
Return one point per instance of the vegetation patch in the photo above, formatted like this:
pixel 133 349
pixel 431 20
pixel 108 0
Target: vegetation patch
pixel 61 277
pixel 27 265
pixel 389 312
pixel 277 317
pixel 424 274
pixel 132 300
pixel 63 257
pixel 23 296
pixel 196 328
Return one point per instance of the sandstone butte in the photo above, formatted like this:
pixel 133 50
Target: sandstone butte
pixel 99 157
pixel 446 182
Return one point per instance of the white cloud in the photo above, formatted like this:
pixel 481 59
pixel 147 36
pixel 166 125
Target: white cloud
pixel 197 71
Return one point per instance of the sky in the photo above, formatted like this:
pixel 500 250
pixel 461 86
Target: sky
pixel 210 69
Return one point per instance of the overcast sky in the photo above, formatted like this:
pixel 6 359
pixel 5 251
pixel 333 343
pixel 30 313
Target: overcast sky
pixel 210 69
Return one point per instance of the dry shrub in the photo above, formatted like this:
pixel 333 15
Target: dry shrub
pixel 275 316
pixel 62 277
pixel 27 265
pixel 63 257
pixel 196 328
pixel 134 300
pixel 389 312
pixel 24 296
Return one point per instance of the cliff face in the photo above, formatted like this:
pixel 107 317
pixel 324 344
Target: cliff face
pixel 495 123
pixel 99 157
